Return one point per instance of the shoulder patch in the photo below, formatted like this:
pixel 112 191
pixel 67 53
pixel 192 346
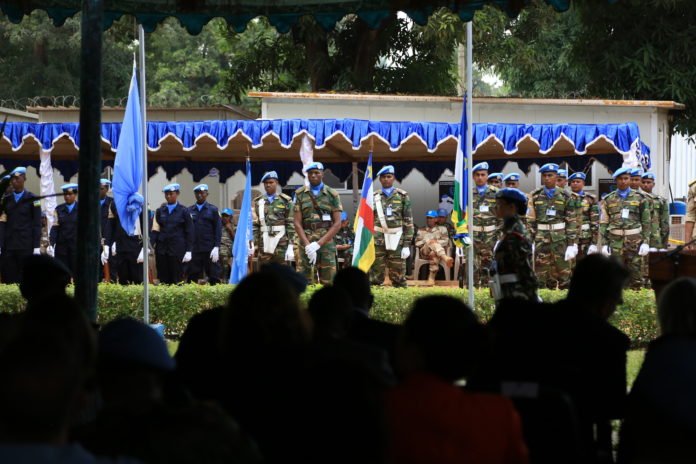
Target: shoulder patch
pixel 285 197
pixel 37 203
pixel 401 191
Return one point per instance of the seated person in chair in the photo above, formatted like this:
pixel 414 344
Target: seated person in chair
pixel 431 242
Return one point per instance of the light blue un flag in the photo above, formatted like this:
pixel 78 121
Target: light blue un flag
pixel 243 234
pixel 128 166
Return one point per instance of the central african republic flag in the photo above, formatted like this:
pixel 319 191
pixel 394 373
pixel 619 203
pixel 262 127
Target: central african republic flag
pixel 461 187
pixel 364 247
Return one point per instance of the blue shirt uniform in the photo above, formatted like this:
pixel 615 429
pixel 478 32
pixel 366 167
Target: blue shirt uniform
pixel 20 224
pixel 207 227
pixel 104 214
pixel 63 235
pixel 172 232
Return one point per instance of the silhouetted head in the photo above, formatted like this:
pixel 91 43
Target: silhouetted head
pixel 331 311
pixel 43 276
pixel 675 309
pixel 597 284
pixel 356 284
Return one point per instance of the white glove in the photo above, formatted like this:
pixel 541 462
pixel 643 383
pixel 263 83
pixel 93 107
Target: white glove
pixel 140 256
pixel 312 248
pixel 644 249
pixel 575 247
pixel 250 248
pixel 289 254
pixel 113 249
pixel 570 253
pixel 215 254
pixel 459 251
pixel 312 258
pixel 51 251
pixel 592 249
pixel 653 250
pixel 405 252
pixel 105 255
pixel 606 251
pixel 662 249
pixel 37 251
pixel 187 257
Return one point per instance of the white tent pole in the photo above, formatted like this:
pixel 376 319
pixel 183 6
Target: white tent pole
pixel 146 212
pixel 469 159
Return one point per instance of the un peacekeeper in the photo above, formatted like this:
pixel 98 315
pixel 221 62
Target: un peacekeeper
pixel 512 180
pixel 513 273
pixel 207 231
pixel 393 230
pixel 431 242
pixel 226 242
pixel 625 226
pixel 562 178
pixel 317 214
pixel 496 179
pixel 345 237
pixel 20 227
pixel 552 222
pixel 442 220
pixel 485 224
pixel 588 234
pixel 127 252
pixel 660 237
pixel 172 237
pixel 636 184
pixel 105 206
pixel 690 218
pixel 274 224
pixel 63 235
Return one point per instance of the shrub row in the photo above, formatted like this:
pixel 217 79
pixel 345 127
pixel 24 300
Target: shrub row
pixel 173 306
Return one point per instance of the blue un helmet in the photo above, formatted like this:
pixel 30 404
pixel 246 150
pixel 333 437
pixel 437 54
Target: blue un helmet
pixel 344 216
pixel 442 212
pixel 431 213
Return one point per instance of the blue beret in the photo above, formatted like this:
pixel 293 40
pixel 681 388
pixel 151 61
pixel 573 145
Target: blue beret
pixel 389 169
pixel 563 172
pixel 105 181
pixel 649 175
pixel 495 175
pixel 228 212
pixel 344 216
pixel 636 173
pixel 314 165
pixel 171 188
pixel 512 194
pixel 69 188
pixel 444 197
pixel 549 167
pixel 442 212
pixel 620 172
pixel 577 175
pixel 512 176
pixel 200 187
pixel 431 213
pixel 18 170
pixel 480 167
pixel 269 175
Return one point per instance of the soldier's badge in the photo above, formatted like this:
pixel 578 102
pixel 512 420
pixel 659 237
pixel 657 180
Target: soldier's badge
pixel 37 203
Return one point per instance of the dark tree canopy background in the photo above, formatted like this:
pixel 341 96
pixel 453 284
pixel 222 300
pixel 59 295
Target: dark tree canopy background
pixel 629 49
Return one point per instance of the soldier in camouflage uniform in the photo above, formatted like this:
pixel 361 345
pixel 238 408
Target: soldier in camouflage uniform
pixel 345 237
pixel 552 222
pixel 442 219
pixel 562 178
pixel 431 242
pixel 512 180
pixel 690 218
pixel 588 217
pixel 660 237
pixel 625 226
pixel 393 225
pixel 485 226
pixel 226 243
pixel 317 214
pixel 636 184
pixel 513 273
pixel 495 179
pixel 273 222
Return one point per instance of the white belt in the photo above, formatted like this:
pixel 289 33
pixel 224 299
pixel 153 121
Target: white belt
pixel 483 229
pixel 585 227
pixel 558 226
pixel 507 278
pixel 624 232
pixel 390 230
pixel 272 228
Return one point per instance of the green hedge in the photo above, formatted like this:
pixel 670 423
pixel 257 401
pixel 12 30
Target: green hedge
pixel 174 305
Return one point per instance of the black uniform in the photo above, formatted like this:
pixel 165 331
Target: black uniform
pixel 130 271
pixel 207 227
pixel 113 260
pixel 64 235
pixel 20 233
pixel 172 237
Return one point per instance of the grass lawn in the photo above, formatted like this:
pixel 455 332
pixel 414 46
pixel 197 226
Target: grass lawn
pixel 172 345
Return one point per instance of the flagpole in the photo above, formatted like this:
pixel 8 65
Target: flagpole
pixel 469 159
pixel 146 213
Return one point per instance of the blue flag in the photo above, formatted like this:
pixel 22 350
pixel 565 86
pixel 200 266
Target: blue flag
pixel 128 166
pixel 243 234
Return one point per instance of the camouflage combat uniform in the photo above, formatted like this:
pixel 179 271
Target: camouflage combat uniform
pixel 485 232
pixel 423 239
pixel 316 224
pixel 661 222
pixel 345 236
pixel 513 258
pixel 588 223
pixel 654 225
pixel 45 241
pixel 624 224
pixel 278 215
pixel 226 242
pixel 553 225
pixel 397 214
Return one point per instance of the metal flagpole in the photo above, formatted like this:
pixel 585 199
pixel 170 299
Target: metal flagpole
pixel 470 155
pixel 146 213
